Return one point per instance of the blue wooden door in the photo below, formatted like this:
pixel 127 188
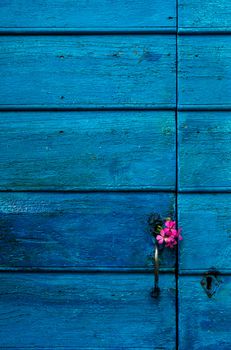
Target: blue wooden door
pixel 111 111
pixel 204 168
pixel 88 102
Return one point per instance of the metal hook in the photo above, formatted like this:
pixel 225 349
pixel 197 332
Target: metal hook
pixel 156 290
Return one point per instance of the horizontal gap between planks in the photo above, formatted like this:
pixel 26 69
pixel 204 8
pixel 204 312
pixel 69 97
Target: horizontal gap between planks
pixel 199 272
pixel 210 190
pixel 88 31
pixel 201 108
pixel 84 270
pixel 116 31
pixel 121 191
pixel 133 108
pixel 55 108
pixel 71 347
pixel 204 31
pixel 95 190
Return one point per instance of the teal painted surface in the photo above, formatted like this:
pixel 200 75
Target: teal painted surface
pixel 112 160
pixel 204 151
pixel 90 249
pixel 88 71
pixel 204 323
pixel 204 71
pixel 206 223
pixel 209 15
pixel 107 311
pixel 87 150
pixel 83 14
pixel 80 230
pixel 204 165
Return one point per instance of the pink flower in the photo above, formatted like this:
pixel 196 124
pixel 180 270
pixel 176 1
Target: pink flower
pixel 170 224
pixel 160 238
pixel 170 242
pixel 169 234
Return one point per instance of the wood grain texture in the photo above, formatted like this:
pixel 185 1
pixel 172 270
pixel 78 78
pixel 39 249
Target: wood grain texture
pixel 206 223
pixel 204 150
pixel 205 71
pixel 87 150
pixel 211 14
pixel 204 323
pixel 87 71
pixel 80 230
pixel 86 311
pixel 83 14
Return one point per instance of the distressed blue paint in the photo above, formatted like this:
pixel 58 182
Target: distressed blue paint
pixel 206 223
pixel 107 311
pixel 211 14
pixel 204 150
pixel 88 71
pixel 204 164
pixel 204 323
pixel 80 230
pixel 83 14
pixel 98 151
pixel 205 71
pixel 87 150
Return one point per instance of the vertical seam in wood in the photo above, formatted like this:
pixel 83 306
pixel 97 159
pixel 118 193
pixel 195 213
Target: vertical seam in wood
pixel 177 185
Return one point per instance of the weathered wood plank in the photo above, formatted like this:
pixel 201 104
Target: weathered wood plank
pixel 206 223
pixel 204 150
pixel 87 311
pixel 82 14
pixel 87 150
pixel 204 323
pixel 205 71
pixel 211 14
pixel 80 230
pixel 87 71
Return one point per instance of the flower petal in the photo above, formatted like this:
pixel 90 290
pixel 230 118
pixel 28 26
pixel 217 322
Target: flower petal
pixel 160 239
pixel 170 224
